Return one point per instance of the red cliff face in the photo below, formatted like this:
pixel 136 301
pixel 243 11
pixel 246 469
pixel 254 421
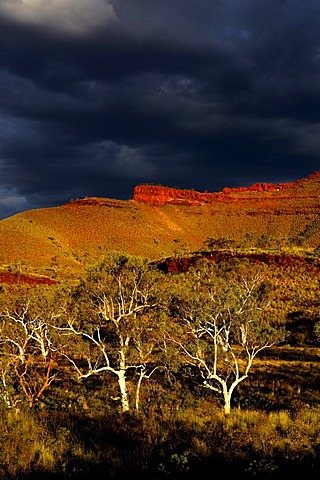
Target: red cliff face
pixel 260 187
pixel 14 278
pixel 182 264
pixel 158 195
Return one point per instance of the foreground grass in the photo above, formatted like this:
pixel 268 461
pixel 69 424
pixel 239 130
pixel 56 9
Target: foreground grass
pixel 182 444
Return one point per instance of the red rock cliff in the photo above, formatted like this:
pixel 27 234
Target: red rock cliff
pixel 158 195
pixel 260 187
pixel 12 278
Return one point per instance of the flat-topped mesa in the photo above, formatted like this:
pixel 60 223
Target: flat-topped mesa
pixel 158 195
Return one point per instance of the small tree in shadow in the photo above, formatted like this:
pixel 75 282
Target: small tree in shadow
pixel 27 349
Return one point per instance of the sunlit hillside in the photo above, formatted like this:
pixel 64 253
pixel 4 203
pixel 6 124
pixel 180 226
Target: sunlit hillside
pixel 82 346
pixel 62 239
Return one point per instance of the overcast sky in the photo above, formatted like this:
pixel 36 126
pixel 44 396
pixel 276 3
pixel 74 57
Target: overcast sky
pixel 97 96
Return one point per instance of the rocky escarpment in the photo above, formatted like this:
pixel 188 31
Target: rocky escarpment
pixel 97 202
pixel 10 278
pixel 158 195
pixel 182 264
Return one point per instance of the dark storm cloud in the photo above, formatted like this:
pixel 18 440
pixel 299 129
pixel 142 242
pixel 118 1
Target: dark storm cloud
pixel 97 96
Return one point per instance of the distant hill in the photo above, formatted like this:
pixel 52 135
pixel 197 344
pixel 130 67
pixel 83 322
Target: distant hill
pixel 158 222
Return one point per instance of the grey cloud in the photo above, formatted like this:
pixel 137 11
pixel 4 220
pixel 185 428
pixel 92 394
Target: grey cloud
pixel 71 16
pixel 199 95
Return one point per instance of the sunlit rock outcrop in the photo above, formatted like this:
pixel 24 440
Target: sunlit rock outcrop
pixel 158 195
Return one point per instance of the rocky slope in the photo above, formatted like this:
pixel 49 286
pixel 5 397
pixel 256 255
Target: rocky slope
pixel 158 222
pixel 182 264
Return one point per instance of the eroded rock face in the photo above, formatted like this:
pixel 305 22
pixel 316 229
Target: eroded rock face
pixel 182 264
pixel 10 278
pixel 260 187
pixel 158 195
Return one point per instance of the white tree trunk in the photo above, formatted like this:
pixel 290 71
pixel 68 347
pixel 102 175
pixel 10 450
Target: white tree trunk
pixel 123 390
pixel 227 403
pixel 141 375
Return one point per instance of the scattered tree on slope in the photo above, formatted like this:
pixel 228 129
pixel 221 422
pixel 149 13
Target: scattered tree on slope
pixel 112 324
pixel 221 324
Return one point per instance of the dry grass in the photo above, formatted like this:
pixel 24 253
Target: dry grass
pixel 64 238
pixel 247 443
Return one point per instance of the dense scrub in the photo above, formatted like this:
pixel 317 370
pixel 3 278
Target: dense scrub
pixel 61 412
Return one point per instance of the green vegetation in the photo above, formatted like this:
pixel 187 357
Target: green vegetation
pixel 121 370
pixel 131 371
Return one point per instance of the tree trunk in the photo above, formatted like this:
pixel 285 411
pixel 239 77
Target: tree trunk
pixel 227 407
pixel 123 391
pixel 227 400
pixel 141 375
